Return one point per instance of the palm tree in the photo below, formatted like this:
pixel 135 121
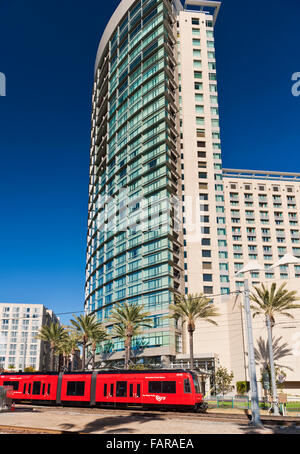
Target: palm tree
pixel 68 348
pixel 96 337
pixel 64 350
pixel 270 303
pixel 73 341
pixel 54 334
pixel 280 350
pixel 129 319
pixel 85 326
pixel 191 308
pixel 262 357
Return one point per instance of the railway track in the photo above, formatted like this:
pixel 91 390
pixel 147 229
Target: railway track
pixel 15 430
pixel 151 414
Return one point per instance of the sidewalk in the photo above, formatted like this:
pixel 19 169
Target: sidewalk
pixel 294 418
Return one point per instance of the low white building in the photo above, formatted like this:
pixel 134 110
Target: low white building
pixel 19 326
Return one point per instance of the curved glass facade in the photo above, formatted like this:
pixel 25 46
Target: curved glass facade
pixel 134 240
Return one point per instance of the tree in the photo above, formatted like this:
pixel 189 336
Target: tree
pixel 96 337
pixel 73 341
pixel 128 322
pixel 85 327
pixel 191 308
pixel 64 348
pixel 223 381
pixel 280 350
pixel 29 369
pixel 242 387
pixel 54 334
pixel 271 303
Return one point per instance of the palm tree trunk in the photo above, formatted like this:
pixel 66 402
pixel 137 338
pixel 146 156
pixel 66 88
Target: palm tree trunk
pixel 72 361
pixel 93 360
pixel 52 359
pixel 272 366
pixel 191 349
pixel 127 351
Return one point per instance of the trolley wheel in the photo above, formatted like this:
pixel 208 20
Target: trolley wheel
pixel 202 408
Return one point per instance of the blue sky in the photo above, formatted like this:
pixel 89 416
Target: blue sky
pixel 47 52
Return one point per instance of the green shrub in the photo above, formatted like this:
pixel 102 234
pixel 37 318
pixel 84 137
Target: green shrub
pixel 242 387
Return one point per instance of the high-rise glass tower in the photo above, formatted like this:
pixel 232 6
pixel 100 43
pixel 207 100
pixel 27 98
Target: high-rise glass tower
pixel 164 217
pixel 154 91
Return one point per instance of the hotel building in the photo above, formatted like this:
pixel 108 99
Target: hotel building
pixel 20 324
pixel 164 217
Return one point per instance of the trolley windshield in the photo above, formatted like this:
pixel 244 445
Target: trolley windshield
pixel 196 383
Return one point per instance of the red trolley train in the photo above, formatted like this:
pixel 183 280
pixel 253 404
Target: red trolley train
pixel 161 389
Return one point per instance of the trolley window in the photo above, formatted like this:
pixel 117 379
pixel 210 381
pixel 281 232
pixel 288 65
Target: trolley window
pixel 112 389
pixel 43 391
pixel 131 390
pixel 196 384
pixel 121 389
pixel 138 390
pixel 162 387
pixel 75 388
pixel 36 389
pixel 14 384
pixel 49 388
pixel 105 390
pixel 187 386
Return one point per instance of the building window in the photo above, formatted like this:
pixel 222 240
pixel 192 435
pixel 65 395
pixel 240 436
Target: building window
pixel 206 253
pixel 206 265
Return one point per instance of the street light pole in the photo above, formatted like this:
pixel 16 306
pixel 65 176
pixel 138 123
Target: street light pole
pixel 25 353
pixel 256 421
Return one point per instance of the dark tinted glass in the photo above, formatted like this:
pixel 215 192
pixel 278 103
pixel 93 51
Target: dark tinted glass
pixel 36 389
pixel 155 386
pixel 196 384
pixel 121 390
pixel 75 388
pixel 163 387
pixel 169 387
pixel 187 386
pixel 131 390
pixel 14 384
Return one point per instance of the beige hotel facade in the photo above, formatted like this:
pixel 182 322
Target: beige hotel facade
pixel 156 133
